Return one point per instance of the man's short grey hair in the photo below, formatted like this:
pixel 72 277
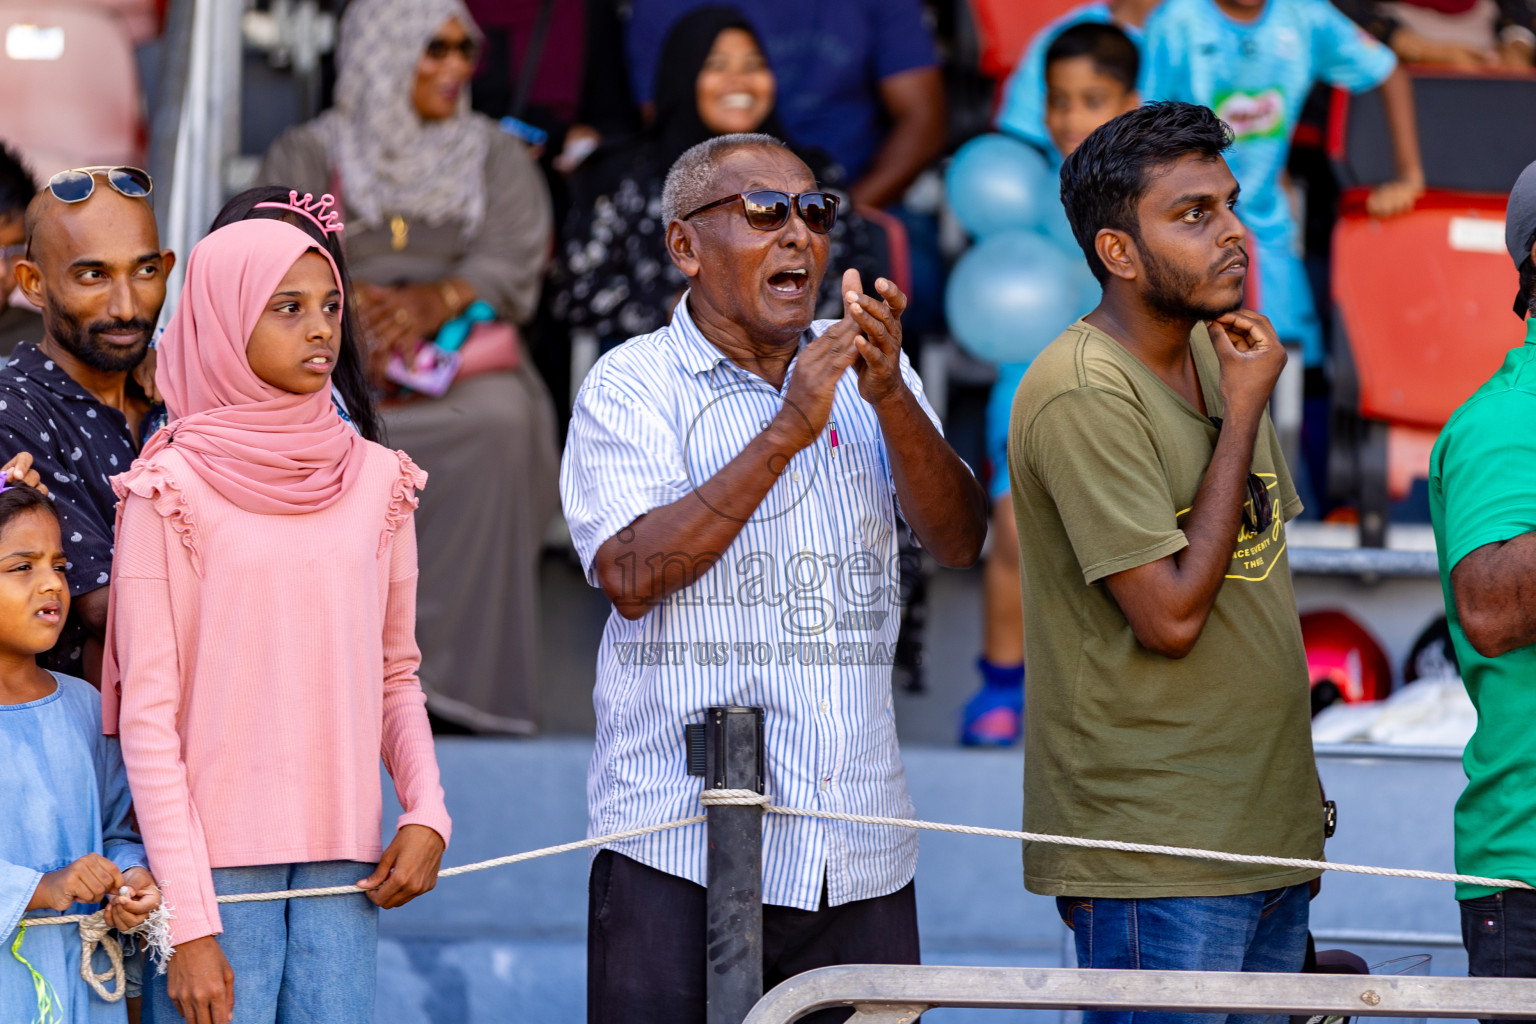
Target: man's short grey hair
pixel 691 181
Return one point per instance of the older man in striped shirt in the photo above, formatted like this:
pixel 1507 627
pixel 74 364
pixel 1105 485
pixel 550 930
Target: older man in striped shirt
pixel 730 482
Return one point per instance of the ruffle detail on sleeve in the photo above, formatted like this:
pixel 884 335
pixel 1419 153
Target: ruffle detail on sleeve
pixel 155 484
pixel 402 498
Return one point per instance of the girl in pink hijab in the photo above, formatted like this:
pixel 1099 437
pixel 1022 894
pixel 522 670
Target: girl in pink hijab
pixel 263 648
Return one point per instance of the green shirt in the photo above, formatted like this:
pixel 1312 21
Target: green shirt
pixel 1482 489
pixel 1213 750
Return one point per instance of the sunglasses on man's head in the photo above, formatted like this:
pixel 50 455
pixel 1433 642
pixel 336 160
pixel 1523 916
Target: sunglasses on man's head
pixel 768 209
pixel 79 184
pixel 439 49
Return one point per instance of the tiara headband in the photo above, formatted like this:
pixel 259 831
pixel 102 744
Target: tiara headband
pixel 322 211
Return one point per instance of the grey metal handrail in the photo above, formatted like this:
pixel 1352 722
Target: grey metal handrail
pixel 1381 562
pixel 899 995
pixel 1387 937
pixel 1385 752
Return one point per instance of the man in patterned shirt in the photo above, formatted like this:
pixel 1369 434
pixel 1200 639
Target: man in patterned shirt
pixel 95 268
pixel 730 482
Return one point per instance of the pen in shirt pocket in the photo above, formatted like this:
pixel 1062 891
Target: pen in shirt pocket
pixel 832 436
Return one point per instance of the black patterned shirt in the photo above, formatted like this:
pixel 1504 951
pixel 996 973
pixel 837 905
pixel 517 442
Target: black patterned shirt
pixel 78 445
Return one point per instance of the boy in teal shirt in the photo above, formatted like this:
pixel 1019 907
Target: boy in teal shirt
pixel 1482 500
pixel 1253 62
pixel 1022 112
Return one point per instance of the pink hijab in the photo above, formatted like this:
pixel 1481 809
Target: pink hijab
pixel 264 449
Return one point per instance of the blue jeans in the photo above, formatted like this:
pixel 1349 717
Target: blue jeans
pixel 1261 931
pixel 305 961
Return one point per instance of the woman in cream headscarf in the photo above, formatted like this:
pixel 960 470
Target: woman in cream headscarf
pixel 443 209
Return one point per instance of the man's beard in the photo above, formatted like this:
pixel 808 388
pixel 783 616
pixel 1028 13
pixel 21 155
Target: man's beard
pixel 82 341
pixel 1170 289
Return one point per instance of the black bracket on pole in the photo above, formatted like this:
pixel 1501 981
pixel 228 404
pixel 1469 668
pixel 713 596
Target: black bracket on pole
pixel 727 749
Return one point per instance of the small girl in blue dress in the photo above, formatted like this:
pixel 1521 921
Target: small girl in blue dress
pixel 66 835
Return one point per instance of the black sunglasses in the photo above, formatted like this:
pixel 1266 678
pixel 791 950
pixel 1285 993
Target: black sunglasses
pixel 1258 510
pixel 438 49
pixel 768 209
pixel 79 184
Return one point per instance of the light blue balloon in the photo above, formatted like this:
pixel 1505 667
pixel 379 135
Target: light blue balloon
pixel 996 183
pixel 1092 293
pixel 1055 226
pixel 1010 295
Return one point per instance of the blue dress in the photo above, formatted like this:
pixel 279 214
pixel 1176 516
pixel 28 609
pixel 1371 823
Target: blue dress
pixel 65 795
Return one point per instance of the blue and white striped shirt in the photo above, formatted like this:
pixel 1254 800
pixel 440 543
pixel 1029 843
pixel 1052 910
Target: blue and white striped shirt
pixel 798 617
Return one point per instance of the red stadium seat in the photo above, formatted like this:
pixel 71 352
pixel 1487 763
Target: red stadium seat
pixel 897 247
pixel 1423 318
pixel 1422 302
pixel 68 71
pixel 1007 26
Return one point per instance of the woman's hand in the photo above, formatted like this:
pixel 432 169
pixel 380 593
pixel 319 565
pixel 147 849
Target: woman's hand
pixel 390 324
pixel 201 983
pixel 407 869
pixel 19 471
pixel 388 328
pixel 426 305
pixel 125 913
pixel 404 314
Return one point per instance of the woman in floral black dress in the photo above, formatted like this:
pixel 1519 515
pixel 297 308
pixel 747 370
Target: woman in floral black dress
pixel 613 277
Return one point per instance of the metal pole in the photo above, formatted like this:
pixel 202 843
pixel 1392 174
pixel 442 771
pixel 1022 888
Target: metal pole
pixel 733 931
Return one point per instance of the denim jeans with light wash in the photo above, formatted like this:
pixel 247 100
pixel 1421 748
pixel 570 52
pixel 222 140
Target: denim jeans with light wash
pixel 1261 931
pixel 306 961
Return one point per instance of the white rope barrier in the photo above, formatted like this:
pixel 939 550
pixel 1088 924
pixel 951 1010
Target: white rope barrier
pixel 462 869
pixel 734 798
pixel 95 932
pixel 1167 851
pixel 747 798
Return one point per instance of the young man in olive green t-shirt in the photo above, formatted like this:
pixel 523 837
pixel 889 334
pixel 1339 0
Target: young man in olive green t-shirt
pixel 1168 698
pixel 1482 501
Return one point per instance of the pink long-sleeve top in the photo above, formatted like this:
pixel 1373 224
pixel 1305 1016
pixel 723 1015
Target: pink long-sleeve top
pixel 265 662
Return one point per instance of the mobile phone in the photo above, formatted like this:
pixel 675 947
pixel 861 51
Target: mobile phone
pixel 531 134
